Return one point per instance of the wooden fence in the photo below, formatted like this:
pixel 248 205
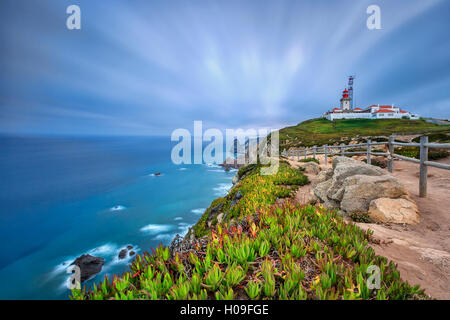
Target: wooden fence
pixel 423 162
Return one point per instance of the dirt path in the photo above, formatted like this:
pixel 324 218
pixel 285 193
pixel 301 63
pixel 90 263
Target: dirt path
pixel 422 252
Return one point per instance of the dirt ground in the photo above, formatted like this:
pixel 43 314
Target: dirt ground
pixel 422 251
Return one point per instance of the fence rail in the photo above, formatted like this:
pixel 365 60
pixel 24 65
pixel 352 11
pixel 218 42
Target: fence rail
pixel 423 162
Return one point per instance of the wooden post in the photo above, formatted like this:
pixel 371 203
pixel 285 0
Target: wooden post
pixel 390 155
pixel 369 150
pixel 325 151
pixel 298 155
pixel 342 150
pixel 305 152
pixel 423 167
pixel 314 152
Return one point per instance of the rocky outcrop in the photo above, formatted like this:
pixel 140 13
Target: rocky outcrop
pixel 394 211
pixel 89 266
pixel 126 252
pixel 355 187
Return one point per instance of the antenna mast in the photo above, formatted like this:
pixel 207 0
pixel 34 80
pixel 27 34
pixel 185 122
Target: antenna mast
pixel 350 90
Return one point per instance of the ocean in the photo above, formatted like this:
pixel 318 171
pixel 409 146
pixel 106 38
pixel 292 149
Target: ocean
pixel 61 197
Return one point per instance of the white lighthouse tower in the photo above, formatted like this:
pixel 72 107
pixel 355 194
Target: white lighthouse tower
pixel 345 101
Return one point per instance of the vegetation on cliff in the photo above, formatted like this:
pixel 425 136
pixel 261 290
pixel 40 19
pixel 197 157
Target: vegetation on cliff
pixel 263 249
pixel 321 131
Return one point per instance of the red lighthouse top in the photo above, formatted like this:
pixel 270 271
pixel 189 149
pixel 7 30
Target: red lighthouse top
pixel 345 94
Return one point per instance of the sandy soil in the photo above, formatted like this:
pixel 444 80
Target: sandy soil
pixel 422 251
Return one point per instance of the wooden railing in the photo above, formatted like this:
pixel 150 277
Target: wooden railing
pixel 423 162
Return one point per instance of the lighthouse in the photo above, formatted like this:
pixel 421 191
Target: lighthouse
pixel 345 101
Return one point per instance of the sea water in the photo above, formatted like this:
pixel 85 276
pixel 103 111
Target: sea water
pixel 63 197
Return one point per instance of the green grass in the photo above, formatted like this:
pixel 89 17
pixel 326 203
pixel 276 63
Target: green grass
pixel 265 251
pixel 321 131
pixel 414 152
pixel 309 160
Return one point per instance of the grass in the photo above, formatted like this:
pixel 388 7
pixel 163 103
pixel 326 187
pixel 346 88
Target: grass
pixel 321 131
pixel 414 152
pixel 309 160
pixel 263 251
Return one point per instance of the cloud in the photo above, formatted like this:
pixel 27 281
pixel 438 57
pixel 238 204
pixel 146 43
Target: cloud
pixel 151 67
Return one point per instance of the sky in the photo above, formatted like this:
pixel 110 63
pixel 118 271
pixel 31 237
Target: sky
pixel 149 67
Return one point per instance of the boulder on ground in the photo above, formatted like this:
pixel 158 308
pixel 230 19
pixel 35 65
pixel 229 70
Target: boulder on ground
pixel 89 266
pixel 310 167
pixel 360 190
pixel 323 176
pixel 347 167
pixel 388 210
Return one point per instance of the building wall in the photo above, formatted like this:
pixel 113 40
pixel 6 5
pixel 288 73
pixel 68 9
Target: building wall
pixel 332 116
pixel 366 115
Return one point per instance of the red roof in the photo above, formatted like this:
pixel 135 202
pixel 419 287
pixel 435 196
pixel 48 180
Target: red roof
pixel 385 107
pixel 403 111
pixel 335 109
pixel 357 109
pixel 345 90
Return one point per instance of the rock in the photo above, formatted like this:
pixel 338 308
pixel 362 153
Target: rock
pixel 129 247
pixel 235 179
pixel 338 160
pixel 322 176
pixel 157 174
pixel 347 167
pixel 123 253
pixel 132 253
pixel 359 190
pixel 388 210
pixel 310 167
pixel 321 190
pixel 220 218
pixel 89 266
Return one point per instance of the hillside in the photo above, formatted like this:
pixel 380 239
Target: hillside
pixel 321 131
pixel 257 243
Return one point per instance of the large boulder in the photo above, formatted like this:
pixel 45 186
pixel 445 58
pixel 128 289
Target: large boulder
pixel 321 190
pixel 310 167
pixel 346 167
pixel 323 176
pixel 388 210
pixel 360 190
pixel 89 266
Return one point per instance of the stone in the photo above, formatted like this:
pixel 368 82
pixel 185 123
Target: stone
pixel 321 190
pixel 323 176
pixel 89 266
pixel 123 253
pixel 360 190
pixel 310 167
pixel 388 210
pixel 346 167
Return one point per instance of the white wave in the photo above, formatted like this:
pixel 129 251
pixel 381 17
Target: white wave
pixel 184 228
pixel 222 189
pixel 182 169
pixel 155 175
pixel 198 211
pixel 212 165
pixel 165 237
pixel 156 228
pixel 117 208
pixel 104 250
pixel 178 218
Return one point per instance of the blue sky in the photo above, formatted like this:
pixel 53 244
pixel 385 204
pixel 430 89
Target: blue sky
pixel 149 67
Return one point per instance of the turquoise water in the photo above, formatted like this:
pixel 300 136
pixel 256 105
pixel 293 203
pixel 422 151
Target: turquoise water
pixel 63 197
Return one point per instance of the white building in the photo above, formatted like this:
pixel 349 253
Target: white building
pixel 372 112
